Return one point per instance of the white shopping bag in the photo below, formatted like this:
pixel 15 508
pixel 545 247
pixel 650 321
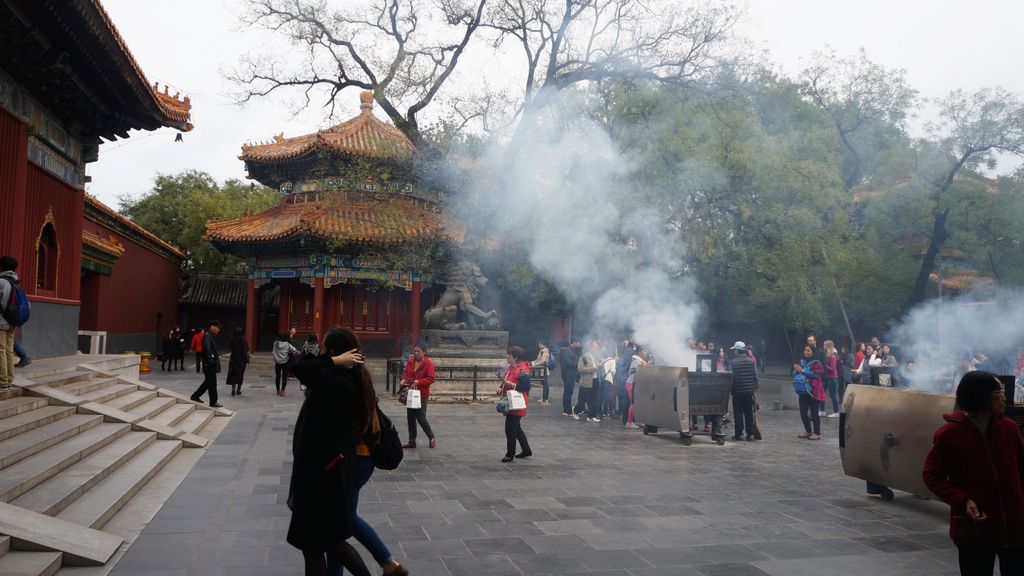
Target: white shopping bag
pixel 413 399
pixel 516 400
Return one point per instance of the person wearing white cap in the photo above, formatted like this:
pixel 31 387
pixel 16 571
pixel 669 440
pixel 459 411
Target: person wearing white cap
pixel 744 385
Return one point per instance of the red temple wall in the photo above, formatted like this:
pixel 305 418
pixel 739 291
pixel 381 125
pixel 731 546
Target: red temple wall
pixel 13 167
pixel 143 284
pixel 46 195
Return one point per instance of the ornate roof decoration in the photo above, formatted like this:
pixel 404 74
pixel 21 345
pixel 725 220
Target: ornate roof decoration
pixel 362 137
pixel 101 213
pixel 384 221
pixel 110 246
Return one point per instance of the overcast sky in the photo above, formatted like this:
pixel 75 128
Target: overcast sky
pixel 943 45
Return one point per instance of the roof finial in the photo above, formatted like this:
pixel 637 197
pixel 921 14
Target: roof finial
pixel 366 102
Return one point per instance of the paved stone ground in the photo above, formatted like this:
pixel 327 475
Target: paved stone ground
pixel 595 499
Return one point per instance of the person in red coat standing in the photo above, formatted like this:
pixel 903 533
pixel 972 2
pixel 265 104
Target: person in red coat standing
pixel 975 466
pixel 419 375
pixel 516 377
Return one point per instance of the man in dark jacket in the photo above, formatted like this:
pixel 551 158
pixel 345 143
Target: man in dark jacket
pixel 568 356
pixel 744 385
pixel 211 366
pixel 975 466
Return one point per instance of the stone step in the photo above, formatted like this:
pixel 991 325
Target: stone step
pixel 98 505
pixel 30 531
pixel 174 414
pixel 195 421
pixel 108 393
pixel 8 393
pixel 5 544
pixel 28 443
pixel 21 477
pixel 58 492
pixel 85 386
pixel 153 407
pixel 20 404
pixel 65 378
pixel 32 419
pixel 30 563
pixel 131 400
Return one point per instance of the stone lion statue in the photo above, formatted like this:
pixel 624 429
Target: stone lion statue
pixel 456 309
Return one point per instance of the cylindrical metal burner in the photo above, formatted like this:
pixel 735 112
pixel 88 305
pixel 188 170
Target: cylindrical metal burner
pixel 886 433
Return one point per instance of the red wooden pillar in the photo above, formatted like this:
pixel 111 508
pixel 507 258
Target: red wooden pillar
pixel 13 186
pixel 284 307
pixel 251 312
pixel 318 307
pixel 414 310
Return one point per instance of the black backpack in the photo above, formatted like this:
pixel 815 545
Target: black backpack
pixel 387 452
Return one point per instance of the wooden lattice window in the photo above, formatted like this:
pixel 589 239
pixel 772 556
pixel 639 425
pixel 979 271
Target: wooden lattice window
pixel 47 254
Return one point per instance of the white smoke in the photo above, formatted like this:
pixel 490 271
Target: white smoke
pixel 945 338
pixel 567 182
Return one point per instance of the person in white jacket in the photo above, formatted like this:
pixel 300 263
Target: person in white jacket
pixel 283 353
pixel 542 361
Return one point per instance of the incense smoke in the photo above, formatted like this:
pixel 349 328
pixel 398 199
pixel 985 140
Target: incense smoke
pixel 943 338
pixel 567 183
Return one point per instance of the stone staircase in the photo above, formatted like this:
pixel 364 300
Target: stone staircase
pixel 76 445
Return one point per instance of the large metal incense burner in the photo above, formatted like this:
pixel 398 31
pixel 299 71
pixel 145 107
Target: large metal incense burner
pixel 886 433
pixel 664 397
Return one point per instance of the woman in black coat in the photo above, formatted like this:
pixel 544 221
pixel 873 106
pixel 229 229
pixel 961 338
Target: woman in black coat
pixel 238 361
pixel 323 469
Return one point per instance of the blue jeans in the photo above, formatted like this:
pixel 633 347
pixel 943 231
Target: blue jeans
pixel 363 532
pixel 19 351
pixel 832 388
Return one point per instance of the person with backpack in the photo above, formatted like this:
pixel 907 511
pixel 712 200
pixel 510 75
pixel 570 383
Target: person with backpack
pixel 14 311
pixel 547 361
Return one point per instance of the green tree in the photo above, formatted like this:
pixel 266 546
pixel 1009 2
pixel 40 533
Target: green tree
pixel 179 205
pixel 973 129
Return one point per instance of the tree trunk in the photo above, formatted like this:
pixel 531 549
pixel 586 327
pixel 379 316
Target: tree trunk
pixel 939 236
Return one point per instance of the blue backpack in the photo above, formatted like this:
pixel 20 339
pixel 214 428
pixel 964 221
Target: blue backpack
pixel 18 308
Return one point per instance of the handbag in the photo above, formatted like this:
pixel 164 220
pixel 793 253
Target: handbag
pixel 387 451
pixel 403 393
pixel 413 399
pixel 516 401
pixel 502 405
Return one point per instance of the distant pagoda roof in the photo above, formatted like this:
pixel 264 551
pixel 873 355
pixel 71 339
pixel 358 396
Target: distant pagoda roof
pixel 391 220
pixel 362 137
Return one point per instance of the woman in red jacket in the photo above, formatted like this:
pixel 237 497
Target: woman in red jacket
pixel 516 377
pixel 419 375
pixel 975 466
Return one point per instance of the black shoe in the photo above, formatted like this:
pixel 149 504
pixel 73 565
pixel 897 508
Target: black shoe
pixel 23 362
pixel 750 437
pixel 887 495
pixel 216 405
pixel 232 391
pixel 239 392
pixel 737 438
pixel 506 459
pixel 525 454
pixel 195 398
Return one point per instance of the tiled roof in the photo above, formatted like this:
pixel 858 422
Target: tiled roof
pixel 174 112
pixel 207 290
pixel 363 136
pixel 93 208
pixel 395 220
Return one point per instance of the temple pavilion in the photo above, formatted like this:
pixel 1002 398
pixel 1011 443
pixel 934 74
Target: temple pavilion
pixel 356 239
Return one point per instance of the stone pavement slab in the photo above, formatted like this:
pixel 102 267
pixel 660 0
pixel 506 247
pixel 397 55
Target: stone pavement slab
pixel 595 499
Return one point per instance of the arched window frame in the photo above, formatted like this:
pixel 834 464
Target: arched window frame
pixel 47 257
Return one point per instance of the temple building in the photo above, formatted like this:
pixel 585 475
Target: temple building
pixel 357 238
pixel 67 80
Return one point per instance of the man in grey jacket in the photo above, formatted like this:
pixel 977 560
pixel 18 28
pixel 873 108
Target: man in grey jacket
pixel 8 278
pixel 744 385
